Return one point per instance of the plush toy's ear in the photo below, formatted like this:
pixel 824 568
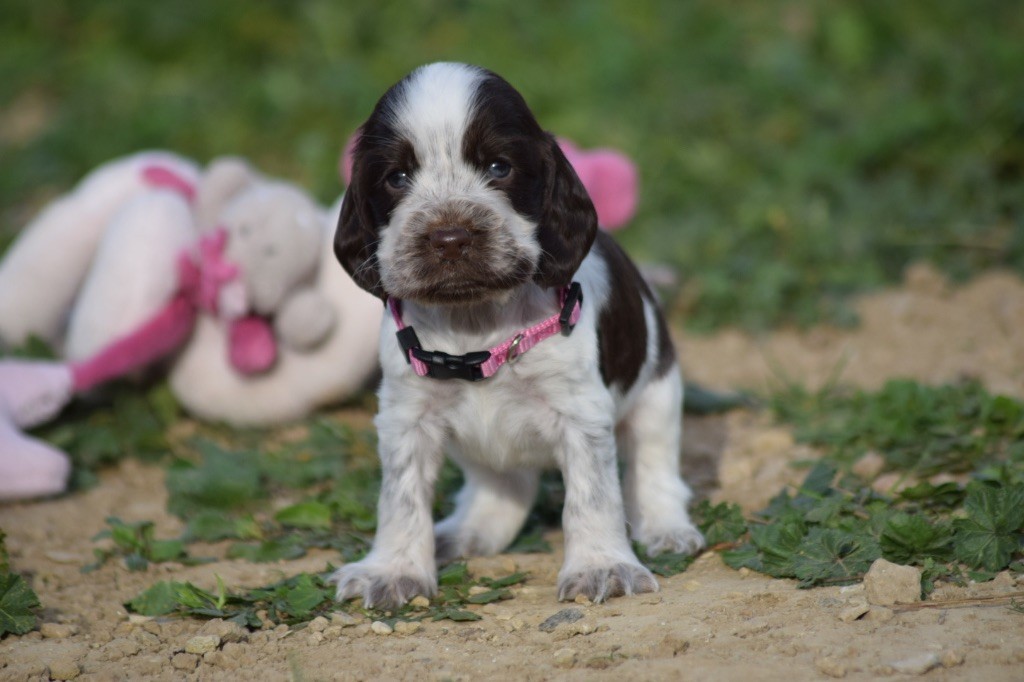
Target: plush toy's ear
pixel 223 178
pixel 568 221
pixel 356 239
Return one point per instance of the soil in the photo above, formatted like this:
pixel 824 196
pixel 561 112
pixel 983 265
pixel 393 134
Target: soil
pixel 710 622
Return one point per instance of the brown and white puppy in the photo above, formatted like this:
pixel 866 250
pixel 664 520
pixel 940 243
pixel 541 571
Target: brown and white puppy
pixel 466 211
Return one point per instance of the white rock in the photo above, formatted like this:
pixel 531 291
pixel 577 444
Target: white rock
pixel 887 583
pixel 917 665
pixel 381 628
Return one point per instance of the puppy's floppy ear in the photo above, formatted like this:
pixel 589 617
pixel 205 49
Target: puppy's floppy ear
pixel 568 221
pixel 356 239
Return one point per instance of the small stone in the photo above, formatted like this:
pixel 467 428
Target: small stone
pixel 517 624
pixel 478 589
pixel 583 599
pixel 950 658
pixel 56 630
pixel 827 665
pixel 887 583
pixel 869 466
pixel 202 644
pixel 64 669
pixel 853 612
pixel 315 638
pixel 744 572
pixel 916 665
pixel 227 630
pixel 565 658
pixel 361 630
pixel 381 628
pixel 563 616
pixel 880 614
pixel 186 662
pixel 405 627
pixel 318 624
pixel 138 619
pixel 420 602
pixel 347 620
pixel 333 632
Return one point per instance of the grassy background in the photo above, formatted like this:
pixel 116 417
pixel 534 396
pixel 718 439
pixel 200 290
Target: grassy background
pixel 790 152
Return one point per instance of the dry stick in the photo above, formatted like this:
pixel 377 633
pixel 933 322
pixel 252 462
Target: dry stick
pixel 993 600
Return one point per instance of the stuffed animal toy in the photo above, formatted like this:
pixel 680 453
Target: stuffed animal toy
pixel 227 272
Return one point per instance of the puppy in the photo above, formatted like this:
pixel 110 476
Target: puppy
pixel 518 337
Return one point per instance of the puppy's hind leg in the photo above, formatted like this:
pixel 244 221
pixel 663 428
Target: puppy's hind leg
pixel 654 492
pixel 489 511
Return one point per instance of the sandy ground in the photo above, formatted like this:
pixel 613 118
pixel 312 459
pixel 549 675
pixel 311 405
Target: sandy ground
pixel 709 623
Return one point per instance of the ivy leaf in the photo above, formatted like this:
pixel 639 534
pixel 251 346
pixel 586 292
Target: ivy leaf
pixel 457 615
pixel 211 525
pixel 17 601
pixel 666 564
pixel 778 543
pixel 990 535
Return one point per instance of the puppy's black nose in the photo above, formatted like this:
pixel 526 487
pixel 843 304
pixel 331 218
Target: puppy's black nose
pixel 450 242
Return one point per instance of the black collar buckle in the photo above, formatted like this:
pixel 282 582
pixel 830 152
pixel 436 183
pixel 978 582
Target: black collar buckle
pixel 573 296
pixel 441 365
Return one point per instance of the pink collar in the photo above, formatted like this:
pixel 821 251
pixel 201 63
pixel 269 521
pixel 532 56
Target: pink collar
pixel 480 365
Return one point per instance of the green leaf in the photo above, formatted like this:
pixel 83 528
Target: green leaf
pixel 829 554
pixel 275 549
pixel 223 480
pixel 457 615
pixel 989 536
pixel 532 542
pixel 720 523
pixel 778 544
pixel 666 564
pixel 490 596
pixel 507 581
pixel 308 514
pixel 453 574
pixel 910 538
pixel 306 595
pixel 17 601
pixel 158 600
pixel 211 525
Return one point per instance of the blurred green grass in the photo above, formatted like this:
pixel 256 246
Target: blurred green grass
pixel 790 152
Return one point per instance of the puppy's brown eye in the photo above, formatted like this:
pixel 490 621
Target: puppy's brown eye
pixel 397 180
pixel 499 170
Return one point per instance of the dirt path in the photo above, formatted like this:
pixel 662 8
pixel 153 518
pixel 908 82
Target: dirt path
pixel 709 623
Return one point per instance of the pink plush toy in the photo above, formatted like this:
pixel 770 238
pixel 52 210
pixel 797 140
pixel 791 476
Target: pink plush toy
pixel 609 177
pixel 221 271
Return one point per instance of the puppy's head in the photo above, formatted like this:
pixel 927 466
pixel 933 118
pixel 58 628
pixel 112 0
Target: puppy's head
pixel 458 195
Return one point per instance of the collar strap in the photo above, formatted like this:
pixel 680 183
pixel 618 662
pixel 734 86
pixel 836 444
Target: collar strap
pixel 482 364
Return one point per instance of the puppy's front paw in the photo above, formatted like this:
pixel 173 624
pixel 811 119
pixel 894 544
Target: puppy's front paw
pixel 380 588
pixel 599 583
pixel 684 538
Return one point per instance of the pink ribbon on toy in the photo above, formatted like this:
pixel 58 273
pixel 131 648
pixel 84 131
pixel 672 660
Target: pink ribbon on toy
pixel 202 274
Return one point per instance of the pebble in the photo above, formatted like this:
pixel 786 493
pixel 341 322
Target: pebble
pixel 827 665
pixel 880 614
pixel 916 665
pixel 478 589
pixel 333 632
pixel 186 662
pixel 56 630
pixel 381 628
pixel 853 612
pixel 225 629
pixel 64 669
pixel 950 658
pixel 583 599
pixel 202 644
pixel 404 627
pixel 565 658
pixel 120 648
pixel 887 583
pixel 315 638
pixel 420 602
pixel 563 616
pixel 318 624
